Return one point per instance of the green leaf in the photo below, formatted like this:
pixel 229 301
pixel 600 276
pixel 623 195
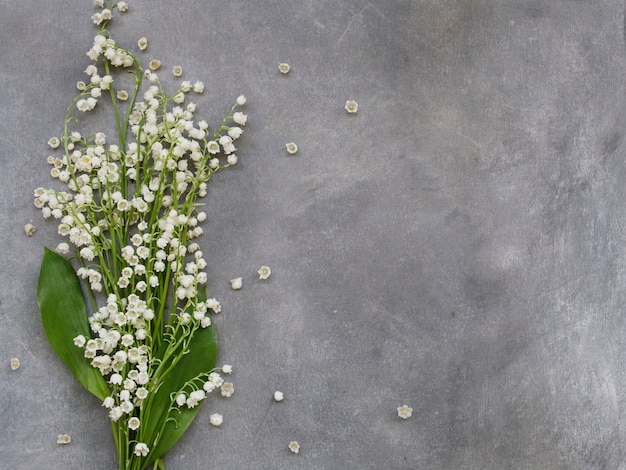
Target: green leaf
pixel 200 359
pixel 64 316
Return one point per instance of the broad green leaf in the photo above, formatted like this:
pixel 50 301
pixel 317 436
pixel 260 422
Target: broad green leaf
pixel 64 316
pixel 200 359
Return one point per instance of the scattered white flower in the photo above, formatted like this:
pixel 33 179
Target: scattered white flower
pixel 264 272
pixel 291 148
pixel 155 64
pixel 351 106
pixel 232 159
pixel 177 71
pixel 278 396
pixel 141 449
pixel 241 100
pixel 29 229
pixel 405 411
pixel 122 95
pixel 284 68
pixel 63 439
pixel 54 142
pixel 15 363
pixel 227 369
pixel 122 6
pixel 235 284
pixel 142 44
pixel 294 447
pixel 227 389
pixel 216 419
pixel 198 87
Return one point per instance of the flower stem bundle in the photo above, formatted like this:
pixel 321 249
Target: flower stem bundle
pixel 130 209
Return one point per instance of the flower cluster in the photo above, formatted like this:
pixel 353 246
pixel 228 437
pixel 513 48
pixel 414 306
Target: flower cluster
pixel 129 208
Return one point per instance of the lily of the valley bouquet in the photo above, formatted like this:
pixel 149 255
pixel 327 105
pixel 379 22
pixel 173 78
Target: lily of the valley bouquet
pixel 130 207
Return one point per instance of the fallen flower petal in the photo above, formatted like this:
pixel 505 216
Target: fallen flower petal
pixel 405 411
pixel 29 229
pixel 291 148
pixel 216 419
pixel 235 284
pixel 63 439
pixel 351 106
pixel 264 272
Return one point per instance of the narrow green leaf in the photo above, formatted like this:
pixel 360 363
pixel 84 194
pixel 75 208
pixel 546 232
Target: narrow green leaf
pixel 200 359
pixel 64 316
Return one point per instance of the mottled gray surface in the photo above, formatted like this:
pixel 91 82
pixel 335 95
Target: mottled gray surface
pixel 458 245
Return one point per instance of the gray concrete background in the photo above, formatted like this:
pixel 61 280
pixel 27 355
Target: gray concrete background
pixel 458 245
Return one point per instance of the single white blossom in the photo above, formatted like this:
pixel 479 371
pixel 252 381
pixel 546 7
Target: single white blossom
pixel 122 95
pixel 63 439
pixel 241 100
pixel 133 423
pixel 405 411
pixel 294 447
pixel 80 341
pixel 122 6
pixel 240 118
pixel 54 142
pixel 235 132
pixel 227 369
pixel 177 71
pixel 227 389
pixel 264 272
pixel 109 402
pixel 278 396
pixel 15 363
pixel 291 148
pixel 216 419
pixel 198 87
pixel 155 64
pixel 284 68
pixel 235 284
pixel 142 44
pixel 29 229
pixel 216 379
pixel 141 449
pixel 351 106
pixel 181 399
pixel 63 248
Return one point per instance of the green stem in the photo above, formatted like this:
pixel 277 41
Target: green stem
pixel 159 464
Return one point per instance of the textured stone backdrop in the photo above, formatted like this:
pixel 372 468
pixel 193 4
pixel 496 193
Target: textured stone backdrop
pixel 457 245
